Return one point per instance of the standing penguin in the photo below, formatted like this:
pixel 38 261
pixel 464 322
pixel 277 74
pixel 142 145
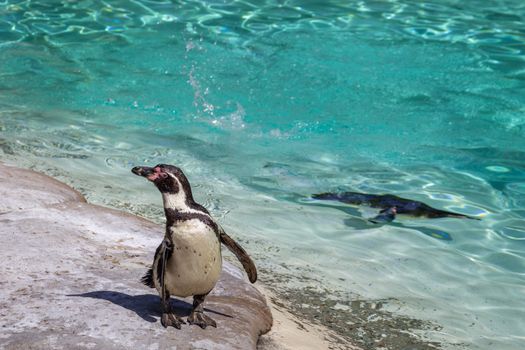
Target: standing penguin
pixel 188 262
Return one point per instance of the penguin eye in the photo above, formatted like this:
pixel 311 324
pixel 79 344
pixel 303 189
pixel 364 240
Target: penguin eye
pixel 163 175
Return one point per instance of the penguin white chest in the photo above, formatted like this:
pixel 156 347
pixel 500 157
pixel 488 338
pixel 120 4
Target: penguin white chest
pixel 196 262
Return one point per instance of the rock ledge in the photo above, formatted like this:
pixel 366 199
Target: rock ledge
pixel 70 278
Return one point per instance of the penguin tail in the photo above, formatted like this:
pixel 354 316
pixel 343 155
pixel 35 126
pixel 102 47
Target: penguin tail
pixel 465 217
pixel 147 279
pixel 443 213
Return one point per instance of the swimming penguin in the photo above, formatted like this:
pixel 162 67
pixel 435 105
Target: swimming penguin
pixel 390 206
pixel 188 262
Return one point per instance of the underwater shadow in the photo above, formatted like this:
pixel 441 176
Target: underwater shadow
pixel 363 224
pixel 146 306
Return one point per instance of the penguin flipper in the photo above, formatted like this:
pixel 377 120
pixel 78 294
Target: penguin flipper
pixel 241 254
pixel 162 255
pixel 147 279
pixel 385 216
pixel 165 250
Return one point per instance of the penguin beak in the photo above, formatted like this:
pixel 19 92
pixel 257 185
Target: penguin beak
pixel 144 171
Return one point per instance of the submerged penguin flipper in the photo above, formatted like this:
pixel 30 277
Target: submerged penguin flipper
pixel 385 216
pixel 241 254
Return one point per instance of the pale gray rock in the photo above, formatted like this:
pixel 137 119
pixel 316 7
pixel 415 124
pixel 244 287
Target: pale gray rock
pixel 69 278
pixel 25 189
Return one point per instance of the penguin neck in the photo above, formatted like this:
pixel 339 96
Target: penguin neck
pixel 177 201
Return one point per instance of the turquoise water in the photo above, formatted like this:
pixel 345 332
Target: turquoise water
pixel 264 102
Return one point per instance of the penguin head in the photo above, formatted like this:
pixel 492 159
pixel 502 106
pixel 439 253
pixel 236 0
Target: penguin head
pixel 169 179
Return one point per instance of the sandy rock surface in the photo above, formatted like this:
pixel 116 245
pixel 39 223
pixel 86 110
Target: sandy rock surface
pixel 70 271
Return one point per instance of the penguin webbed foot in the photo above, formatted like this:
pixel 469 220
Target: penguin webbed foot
pixel 197 315
pixel 170 319
pixel 200 319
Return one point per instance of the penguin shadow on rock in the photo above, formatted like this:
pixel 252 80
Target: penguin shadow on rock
pixel 146 306
pixel 389 207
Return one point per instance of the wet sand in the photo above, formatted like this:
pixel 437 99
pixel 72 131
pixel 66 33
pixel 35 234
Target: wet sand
pixel 290 332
